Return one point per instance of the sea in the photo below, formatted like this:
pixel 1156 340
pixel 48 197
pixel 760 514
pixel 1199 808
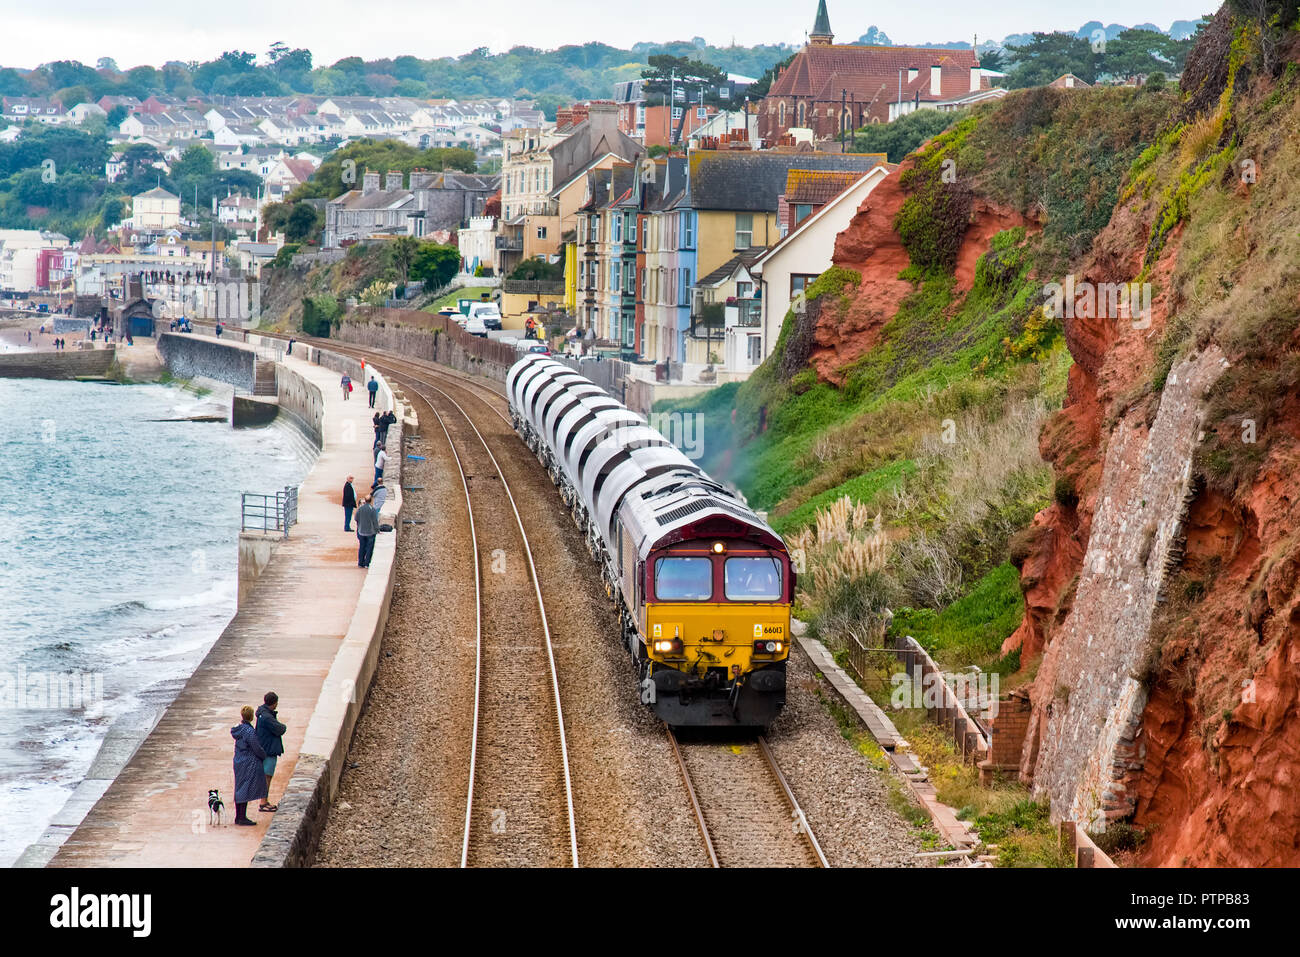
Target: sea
pixel 118 567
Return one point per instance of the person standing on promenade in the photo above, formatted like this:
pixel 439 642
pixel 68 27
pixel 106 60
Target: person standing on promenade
pixel 289 351
pixel 378 422
pixel 349 504
pixel 250 781
pixel 367 529
pixel 385 420
pixel 373 387
pixel 379 494
pixel 269 731
pixel 346 383
pixel 381 459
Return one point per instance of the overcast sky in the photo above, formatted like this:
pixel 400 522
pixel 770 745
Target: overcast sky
pixel 145 31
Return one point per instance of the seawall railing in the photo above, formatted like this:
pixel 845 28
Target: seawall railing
pixel 269 513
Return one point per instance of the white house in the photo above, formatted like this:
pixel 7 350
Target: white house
pixel 83 111
pixel 478 243
pixel 156 209
pixel 805 253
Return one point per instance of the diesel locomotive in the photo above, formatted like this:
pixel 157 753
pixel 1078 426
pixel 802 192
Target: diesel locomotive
pixel 703 586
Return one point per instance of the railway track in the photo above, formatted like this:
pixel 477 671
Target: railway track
pixel 745 811
pixel 519 801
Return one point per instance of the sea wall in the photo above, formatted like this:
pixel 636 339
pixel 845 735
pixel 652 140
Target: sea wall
pixel 187 356
pixel 302 401
pixel 56 365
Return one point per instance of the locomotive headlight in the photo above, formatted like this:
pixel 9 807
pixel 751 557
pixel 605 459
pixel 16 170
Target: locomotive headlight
pixel 719 548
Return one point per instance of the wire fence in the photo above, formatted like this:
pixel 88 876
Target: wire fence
pixel 269 513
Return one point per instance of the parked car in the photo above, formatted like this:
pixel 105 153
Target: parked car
pixel 488 312
pixel 474 326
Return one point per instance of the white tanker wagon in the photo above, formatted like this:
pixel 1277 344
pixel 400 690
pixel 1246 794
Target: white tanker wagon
pixel 702 584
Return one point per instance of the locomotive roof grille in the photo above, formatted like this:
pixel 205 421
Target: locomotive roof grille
pixel 681 511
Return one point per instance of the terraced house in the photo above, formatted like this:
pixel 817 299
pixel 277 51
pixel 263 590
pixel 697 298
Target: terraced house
pixel 544 179
pixel 681 224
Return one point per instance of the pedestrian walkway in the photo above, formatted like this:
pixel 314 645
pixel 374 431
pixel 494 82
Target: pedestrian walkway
pixel 284 639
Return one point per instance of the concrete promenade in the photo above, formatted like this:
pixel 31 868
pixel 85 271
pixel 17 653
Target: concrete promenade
pixel 285 637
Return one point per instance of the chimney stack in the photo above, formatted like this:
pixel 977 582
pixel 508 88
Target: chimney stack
pixel 603 118
pixel 393 180
pixel 936 84
pixel 370 182
pixel 975 77
pixel 420 178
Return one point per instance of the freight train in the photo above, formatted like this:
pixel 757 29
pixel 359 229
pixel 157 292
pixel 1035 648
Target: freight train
pixel 702 585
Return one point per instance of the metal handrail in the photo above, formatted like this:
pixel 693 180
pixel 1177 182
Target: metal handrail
pixel 277 512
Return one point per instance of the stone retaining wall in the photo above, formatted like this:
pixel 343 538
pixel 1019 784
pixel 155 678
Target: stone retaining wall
pixel 1086 728
pixel 56 365
pixel 187 355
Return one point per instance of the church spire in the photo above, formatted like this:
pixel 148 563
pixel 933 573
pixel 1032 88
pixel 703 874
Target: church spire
pixel 821 34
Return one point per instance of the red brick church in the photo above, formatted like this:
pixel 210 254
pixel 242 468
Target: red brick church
pixel 829 87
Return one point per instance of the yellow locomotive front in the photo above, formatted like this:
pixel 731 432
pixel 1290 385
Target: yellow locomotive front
pixel 717 631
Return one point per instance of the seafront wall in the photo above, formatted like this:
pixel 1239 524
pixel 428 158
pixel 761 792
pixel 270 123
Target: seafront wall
pixel 187 356
pixel 303 403
pixel 56 365
pixel 295 831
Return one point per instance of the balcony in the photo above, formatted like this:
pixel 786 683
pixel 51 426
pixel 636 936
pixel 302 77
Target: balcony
pixel 513 244
pixel 745 312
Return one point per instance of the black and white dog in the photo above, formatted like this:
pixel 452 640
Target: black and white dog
pixel 215 807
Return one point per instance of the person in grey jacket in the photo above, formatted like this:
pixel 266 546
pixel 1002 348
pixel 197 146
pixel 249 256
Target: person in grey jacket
pixel 379 495
pixel 367 529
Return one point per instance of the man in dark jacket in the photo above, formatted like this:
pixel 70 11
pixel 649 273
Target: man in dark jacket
pixel 367 529
pixel 349 503
pixel 373 387
pixel 385 420
pixel 269 732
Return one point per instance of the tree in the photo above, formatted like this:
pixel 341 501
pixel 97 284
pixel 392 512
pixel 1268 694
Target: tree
pixel 538 268
pixel 401 254
pixel 905 134
pixel 1139 52
pixel 1049 55
pixel 435 264
pixel 305 221
pixel 666 73
pixel 115 117
pixel 106 63
pixel 993 60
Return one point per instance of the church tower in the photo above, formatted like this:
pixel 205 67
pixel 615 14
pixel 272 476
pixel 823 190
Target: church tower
pixel 821 32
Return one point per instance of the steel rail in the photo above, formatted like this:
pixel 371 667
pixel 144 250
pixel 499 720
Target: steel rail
pixel 541 604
